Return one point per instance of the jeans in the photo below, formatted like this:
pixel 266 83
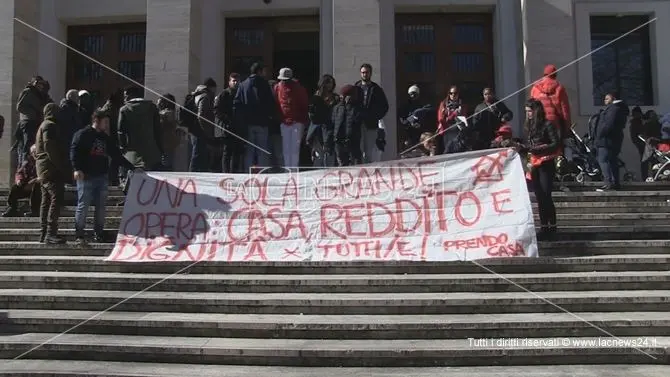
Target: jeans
pixel 291 137
pixel 27 131
pixel 543 184
pixel 609 164
pixel 91 191
pixel 52 201
pixel 258 136
pixel 200 155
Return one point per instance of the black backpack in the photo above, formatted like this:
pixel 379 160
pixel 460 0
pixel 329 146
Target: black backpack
pixel 187 115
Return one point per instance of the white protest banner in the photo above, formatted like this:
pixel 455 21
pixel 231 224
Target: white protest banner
pixel 455 207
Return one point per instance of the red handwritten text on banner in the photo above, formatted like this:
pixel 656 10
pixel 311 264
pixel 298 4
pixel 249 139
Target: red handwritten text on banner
pixel 428 209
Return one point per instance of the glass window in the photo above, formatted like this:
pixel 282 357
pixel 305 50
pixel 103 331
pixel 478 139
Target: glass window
pixel 419 62
pixel 468 34
pixel 418 34
pixel 624 65
pixel 92 44
pixel 134 42
pixel 89 71
pixel 468 62
pixel 249 37
pixel 132 69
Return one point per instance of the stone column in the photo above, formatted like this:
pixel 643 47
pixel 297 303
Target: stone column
pixel 18 63
pixel 508 59
pixel 173 47
pixel 212 61
pixel 174 44
pixel 357 39
pixel 327 36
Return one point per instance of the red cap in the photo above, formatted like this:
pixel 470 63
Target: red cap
pixel 550 70
pixel 504 130
pixel 347 90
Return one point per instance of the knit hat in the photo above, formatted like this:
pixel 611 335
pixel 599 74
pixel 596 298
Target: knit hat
pixel 550 70
pixel 347 90
pixel 505 130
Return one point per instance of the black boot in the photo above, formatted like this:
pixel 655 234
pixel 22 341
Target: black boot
pixel 543 234
pixel 43 234
pixel 10 212
pixel 54 240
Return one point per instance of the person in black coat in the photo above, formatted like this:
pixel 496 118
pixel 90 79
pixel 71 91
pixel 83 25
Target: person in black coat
pixel 488 117
pixel 608 139
pixel 543 145
pixel 347 127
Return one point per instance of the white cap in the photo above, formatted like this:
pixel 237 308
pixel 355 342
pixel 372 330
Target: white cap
pixel 285 74
pixel 413 89
pixel 82 92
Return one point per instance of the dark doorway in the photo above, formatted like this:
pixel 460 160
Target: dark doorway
pixel 300 52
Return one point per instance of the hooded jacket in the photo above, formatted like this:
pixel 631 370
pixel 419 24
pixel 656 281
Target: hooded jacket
pixel 51 157
pixel 140 133
pixel 554 99
pixel 68 119
pixel 204 101
pixel 30 104
pixel 254 103
pixel 610 126
pixel 293 102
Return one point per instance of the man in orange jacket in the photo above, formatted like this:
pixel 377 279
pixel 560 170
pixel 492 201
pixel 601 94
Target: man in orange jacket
pixel 554 99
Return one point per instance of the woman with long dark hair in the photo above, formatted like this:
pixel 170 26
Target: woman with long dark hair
pixel 543 145
pixel 453 140
pixel 320 132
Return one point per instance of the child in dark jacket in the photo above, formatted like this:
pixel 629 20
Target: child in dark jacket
pixel 347 127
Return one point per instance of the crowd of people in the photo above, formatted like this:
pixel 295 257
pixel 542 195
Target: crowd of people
pixel 262 123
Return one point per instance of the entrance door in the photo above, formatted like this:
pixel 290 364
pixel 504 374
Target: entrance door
pixel 121 47
pixel 300 52
pixel 277 42
pixel 435 51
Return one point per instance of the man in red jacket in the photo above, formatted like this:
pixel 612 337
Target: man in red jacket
pixel 554 99
pixel 293 103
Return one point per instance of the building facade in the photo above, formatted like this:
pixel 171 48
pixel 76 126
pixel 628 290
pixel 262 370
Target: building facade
pixel 172 45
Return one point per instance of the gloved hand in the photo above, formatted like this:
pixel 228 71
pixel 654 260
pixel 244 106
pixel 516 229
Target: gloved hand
pixel 381 139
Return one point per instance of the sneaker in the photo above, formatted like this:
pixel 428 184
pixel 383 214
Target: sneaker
pixel 81 241
pixel 605 188
pixel 11 212
pixel 54 240
pixel 100 238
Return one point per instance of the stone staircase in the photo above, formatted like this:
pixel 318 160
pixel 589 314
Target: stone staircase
pixel 597 303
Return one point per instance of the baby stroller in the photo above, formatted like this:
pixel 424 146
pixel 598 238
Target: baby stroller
pixel 583 164
pixel 660 157
pixel 584 160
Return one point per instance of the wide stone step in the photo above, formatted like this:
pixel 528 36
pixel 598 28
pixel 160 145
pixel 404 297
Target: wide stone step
pixel 306 352
pixel 337 303
pixel 72 368
pixel 555 248
pixel 248 283
pixel 566 233
pixel 439 326
pixel 568 219
pixel 653 262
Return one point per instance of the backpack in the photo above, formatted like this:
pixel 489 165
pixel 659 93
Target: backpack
pixel 186 116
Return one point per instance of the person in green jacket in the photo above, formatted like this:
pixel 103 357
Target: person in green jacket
pixel 139 129
pixel 53 169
